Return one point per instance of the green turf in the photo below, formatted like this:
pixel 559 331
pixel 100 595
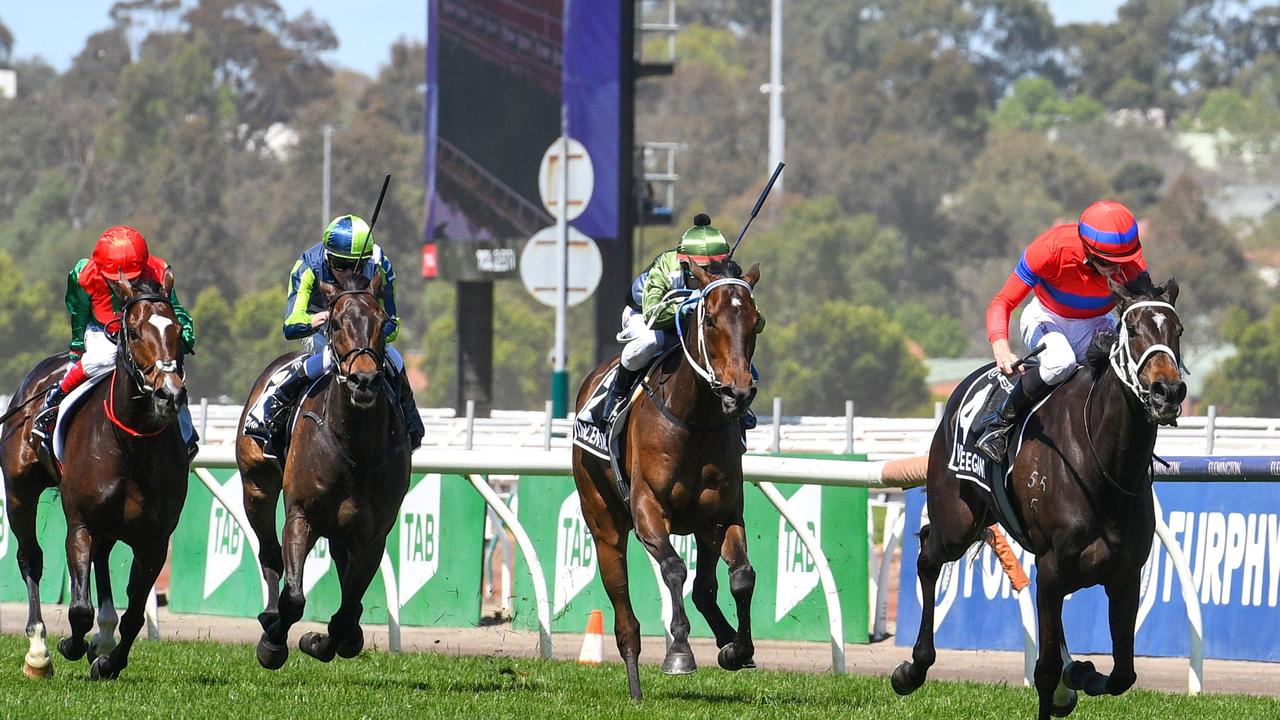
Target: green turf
pixel 197 680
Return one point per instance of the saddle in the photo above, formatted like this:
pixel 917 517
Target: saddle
pixel 984 391
pixel 52 449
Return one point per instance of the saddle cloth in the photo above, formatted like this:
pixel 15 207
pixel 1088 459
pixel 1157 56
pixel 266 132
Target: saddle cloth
pixel 68 408
pixel 980 395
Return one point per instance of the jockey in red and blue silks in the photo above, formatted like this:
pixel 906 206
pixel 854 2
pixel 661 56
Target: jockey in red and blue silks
pixel 347 245
pixel 121 251
pixel 1067 268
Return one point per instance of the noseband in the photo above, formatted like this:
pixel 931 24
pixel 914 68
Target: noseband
pixel 139 374
pixel 698 300
pixel 1122 360
pixel 342 375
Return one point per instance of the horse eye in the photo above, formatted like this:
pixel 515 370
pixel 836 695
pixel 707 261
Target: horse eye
pixel 133 334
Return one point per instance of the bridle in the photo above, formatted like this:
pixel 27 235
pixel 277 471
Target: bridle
pixel 698 300
pixel 139 374
pixel 348 358
pixel 1122 361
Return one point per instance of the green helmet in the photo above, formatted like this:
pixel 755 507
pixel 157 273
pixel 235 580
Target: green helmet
pixel 702 244
pixel 348 237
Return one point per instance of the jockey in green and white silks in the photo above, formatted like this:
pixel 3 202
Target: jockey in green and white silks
pixel 648 324
pixel 347 244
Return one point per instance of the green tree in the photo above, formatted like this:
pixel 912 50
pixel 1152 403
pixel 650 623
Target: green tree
pixel 1248 383
pixel 32 326
pixel 1036 104
pixel 209 373
pixel 840 351
pixel 939 334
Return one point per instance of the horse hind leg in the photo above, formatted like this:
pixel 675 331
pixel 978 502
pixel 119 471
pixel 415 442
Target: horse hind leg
pixel 80 551
pixel 261 493
pixel 345 637
pixel 22 501
pixel 740 654
pixel 104 641
pixel 147 563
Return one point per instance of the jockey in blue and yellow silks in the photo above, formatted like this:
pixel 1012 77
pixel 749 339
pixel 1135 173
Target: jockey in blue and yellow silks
pixel 347 245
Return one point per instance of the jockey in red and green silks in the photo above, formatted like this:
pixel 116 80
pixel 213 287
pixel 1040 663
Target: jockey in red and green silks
pixel 347 244
pixel 121 251
pixel 648 323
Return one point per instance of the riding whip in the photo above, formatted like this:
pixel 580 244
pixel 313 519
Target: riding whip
pixel 1023 361
pixel 755 210
pixel 373 220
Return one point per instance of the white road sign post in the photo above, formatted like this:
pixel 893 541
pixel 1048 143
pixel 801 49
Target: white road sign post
pixel 540 265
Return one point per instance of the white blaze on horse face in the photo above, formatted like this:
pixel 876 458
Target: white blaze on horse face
pixel 1159 318
pixel 160 322
pixel 735 302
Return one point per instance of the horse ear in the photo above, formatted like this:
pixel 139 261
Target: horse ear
pixel 1171 291
pixel 166 285
pixel 325 293
pixel 752 276
pixel 120 287
pixel 1119 292
pixel 375 285
pixel 702 276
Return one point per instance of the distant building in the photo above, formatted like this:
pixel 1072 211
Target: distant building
pixel 8 84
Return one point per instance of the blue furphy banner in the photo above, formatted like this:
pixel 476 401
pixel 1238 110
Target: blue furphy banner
pixel 1228 531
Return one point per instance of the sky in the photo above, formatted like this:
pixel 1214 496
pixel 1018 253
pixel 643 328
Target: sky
pixel 55 31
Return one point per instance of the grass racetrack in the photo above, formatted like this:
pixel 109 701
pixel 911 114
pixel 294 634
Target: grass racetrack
pixel 204 679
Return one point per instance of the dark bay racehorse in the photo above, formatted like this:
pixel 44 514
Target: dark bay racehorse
pixel 683 455
pixel 1082 484
pixel 345 476
pixel 124 479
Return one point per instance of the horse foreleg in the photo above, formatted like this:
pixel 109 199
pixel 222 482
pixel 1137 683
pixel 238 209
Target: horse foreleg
pixel 148 560
pixel 260 496
pixel 345 637
pixel 80 550
pixel 299 538
pixel 911 674
pixel 653 532
pixel 706 585
pixel 612 557
pixel 22 501
pixel 1056 699
pixel 104 641
pixel 1123 613
pixel 740 653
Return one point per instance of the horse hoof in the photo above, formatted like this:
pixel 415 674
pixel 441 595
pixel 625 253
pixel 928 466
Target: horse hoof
pixel 38 672
pixel 270 655
pixel 679 664
pixel 1077 673
pixel 72 648
pixel 1066 709
pixel 311 643
pixel 730 660
pixel 901 680
pixel 101 669
pixel 353 645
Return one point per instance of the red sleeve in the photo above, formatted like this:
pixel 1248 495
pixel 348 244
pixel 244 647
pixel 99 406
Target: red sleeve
pixel 1014 291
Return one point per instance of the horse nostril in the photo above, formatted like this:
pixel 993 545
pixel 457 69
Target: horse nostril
pixel 1159 389
pixel 1179 392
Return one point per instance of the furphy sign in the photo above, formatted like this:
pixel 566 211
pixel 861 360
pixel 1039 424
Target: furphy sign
pixel 1229 534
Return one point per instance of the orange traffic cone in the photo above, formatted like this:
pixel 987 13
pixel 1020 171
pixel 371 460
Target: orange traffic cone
pixel 593 642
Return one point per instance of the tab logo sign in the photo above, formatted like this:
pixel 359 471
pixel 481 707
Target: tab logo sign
pixel 797 571
pixel 226 539
pixel 575 553
pixel 317 564
pixel 419 536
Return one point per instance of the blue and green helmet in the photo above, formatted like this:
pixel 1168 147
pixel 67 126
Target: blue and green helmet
pixel 348 237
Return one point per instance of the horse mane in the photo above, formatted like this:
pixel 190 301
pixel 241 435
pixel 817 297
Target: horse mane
pixel 351 281
pixel 725 268
pixel 1098 355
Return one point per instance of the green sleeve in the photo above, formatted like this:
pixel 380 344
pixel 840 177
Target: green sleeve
pixel 188 325
pixel 79 308
pixel 656 285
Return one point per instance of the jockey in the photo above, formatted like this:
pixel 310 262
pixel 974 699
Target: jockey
pixel 1067 268
pixel 347 244
pixel 647 323
pixel 121 251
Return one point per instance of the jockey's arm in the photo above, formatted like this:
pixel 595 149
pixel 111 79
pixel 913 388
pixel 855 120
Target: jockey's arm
pixel 80 308
pixel 391 328
pixel 188 333
pixel 1015 290
pixel 297 320
pixel 656 285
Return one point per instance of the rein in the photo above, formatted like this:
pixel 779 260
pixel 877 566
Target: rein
pixel 341 375
pixel 108 405
pixel 697 299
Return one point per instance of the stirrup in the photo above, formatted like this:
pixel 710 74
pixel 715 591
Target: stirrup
pixel 994 443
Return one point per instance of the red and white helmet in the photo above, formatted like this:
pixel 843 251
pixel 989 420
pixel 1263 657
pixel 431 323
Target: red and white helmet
pixel 1110 232
pixel 121 251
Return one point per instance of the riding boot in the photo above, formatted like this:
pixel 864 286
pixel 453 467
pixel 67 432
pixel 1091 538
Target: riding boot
pixel 413 420
pixel 193 446
pixel 275 409
pixel 42 426
pixel 1028 390
pixel 622 382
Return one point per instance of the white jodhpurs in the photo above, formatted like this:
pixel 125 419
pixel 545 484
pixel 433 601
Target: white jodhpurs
pixel 1065 339
pixel 99 352
pixel 643 342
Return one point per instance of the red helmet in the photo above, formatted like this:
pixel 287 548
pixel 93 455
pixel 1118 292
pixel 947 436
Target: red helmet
pixel 1109 231
pixel 121 250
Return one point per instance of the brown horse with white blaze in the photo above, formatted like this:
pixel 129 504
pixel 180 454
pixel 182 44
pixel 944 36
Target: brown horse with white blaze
pixel 1082 485
pixel 123 479
pixel 344 478
pixel 683 457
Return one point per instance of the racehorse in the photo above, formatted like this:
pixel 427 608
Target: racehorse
pixel 344 477
pixel 123 479
pixel 1081 481
pixel 683 457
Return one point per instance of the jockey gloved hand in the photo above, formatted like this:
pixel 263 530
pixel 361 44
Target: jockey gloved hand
pixel 1005 358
